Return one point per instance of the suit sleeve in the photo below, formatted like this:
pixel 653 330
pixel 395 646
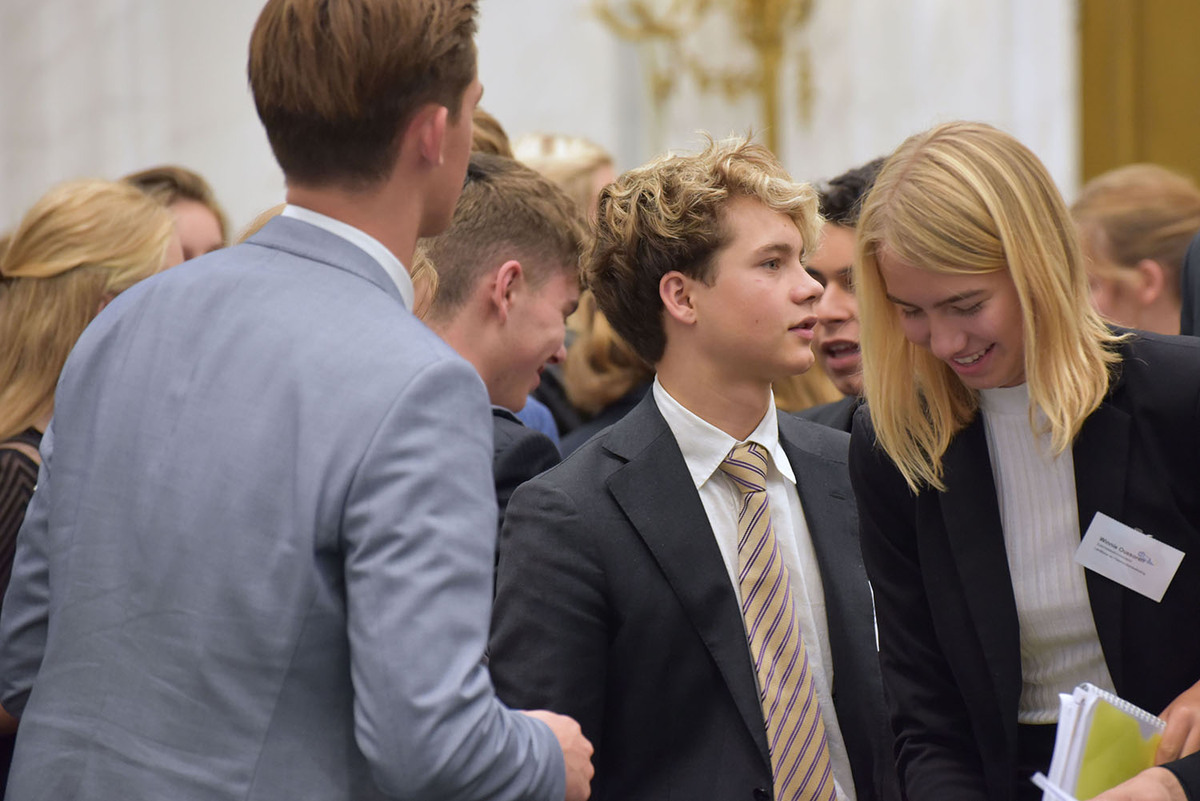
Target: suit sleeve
pixel 936 755
pixel 418 540
pixel 26 610
pixel 1187 771
pixel 548 647
pixel 525 453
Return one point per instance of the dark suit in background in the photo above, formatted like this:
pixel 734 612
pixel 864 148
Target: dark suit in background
pixel 947 617
pixel 519 453
pixel 1188 322
pixel 839 414
pixel 614 605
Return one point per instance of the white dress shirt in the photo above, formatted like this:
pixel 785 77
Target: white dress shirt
pixel 704 447
pixel 363 241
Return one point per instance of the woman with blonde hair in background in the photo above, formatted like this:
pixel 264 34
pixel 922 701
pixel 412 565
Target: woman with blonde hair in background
pixel 1004 419
pixel 199 218
pixel 77 248
pixel 1135 224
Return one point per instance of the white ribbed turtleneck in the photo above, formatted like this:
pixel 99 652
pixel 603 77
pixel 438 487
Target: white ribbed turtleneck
pixel 1040 518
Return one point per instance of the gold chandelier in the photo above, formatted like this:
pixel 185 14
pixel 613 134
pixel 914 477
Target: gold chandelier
pixel 663 29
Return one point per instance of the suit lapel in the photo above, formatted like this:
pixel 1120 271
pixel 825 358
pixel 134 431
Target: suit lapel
pixel 971 515
pixel 656 492
pixel 1101 460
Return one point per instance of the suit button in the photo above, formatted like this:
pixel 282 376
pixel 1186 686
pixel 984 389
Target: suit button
pixel 761 795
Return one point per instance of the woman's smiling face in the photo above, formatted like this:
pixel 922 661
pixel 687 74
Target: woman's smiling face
pixel 972 322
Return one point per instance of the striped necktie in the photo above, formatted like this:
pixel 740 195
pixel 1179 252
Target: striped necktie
pixel 795 732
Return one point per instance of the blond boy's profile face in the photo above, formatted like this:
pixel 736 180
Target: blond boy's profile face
pixel 756 319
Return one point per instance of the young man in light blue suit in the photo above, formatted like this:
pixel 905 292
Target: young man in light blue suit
pixel 258 565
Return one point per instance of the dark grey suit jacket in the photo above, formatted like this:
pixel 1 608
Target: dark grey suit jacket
pixel 614 606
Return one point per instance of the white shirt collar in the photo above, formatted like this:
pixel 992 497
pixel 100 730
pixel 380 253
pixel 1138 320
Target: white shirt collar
pixel 705 446
pixel 364 241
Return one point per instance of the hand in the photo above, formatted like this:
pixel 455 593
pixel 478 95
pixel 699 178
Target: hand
pixel 577 752
pixel 8 724
pixel 1155 784
pixel 1182 736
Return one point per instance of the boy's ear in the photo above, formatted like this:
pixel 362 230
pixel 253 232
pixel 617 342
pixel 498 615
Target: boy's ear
pixel 505 283
pixel 675 290
pixel 428 130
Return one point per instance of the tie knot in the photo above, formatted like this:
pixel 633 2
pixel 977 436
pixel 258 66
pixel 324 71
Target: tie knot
pixel 747 466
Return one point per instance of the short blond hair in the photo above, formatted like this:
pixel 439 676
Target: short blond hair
pixel 80 243
pixel 668 215
pixel 966 198
pixel 1140 211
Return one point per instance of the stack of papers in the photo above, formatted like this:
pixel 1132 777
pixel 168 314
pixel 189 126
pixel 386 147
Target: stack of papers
pixel 1101 741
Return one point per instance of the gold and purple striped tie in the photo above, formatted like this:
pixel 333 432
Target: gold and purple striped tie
pixel 795 732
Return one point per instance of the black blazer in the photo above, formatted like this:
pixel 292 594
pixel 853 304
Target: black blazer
pixel 950 643
pixel 614 606
pixel 518 454
pixel 1189 314
pixel 839 414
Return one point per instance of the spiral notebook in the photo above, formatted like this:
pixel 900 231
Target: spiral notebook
pixel 1101 741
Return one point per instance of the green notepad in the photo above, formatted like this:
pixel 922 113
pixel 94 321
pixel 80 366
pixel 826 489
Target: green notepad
pixel 1116 750
pixel 1102 740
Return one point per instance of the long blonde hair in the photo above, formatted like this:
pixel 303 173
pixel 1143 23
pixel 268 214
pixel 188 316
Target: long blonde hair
pixel 601 368
pixel 80 244
pixel 967 198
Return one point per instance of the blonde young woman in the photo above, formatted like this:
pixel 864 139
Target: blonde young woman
pixel 1003 416
pixel 77 248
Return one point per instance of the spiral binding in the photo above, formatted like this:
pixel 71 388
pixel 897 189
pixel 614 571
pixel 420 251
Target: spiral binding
pixel 1136 712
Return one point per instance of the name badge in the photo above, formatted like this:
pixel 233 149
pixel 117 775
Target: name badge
pixel 1128 557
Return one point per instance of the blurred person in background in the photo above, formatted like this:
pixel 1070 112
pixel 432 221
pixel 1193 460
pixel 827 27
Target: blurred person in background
pixel 200 220
pixel 1135 224
pixel 581 168
pixel 77 248
pixel 835 338
pixel 489 135
pixel 807 390
pixel 508 278
pixel 604 376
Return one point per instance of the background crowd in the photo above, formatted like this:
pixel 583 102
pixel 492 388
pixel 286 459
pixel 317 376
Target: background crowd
pixel 749 487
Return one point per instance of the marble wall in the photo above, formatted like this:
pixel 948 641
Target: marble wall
pixel 103 87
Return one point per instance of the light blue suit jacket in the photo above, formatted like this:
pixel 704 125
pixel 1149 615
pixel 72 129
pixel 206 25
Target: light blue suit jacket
pixel 259 561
